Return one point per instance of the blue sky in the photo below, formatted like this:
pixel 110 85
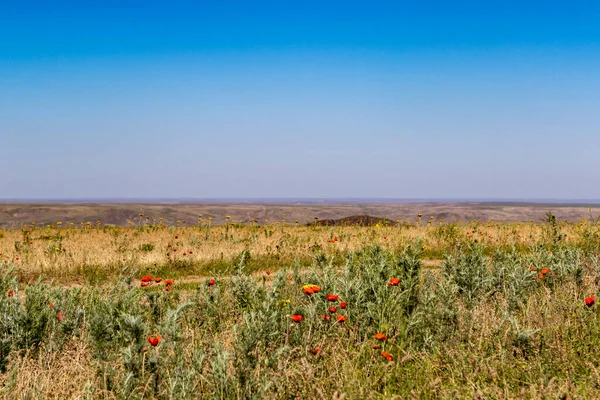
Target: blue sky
pixel 470 99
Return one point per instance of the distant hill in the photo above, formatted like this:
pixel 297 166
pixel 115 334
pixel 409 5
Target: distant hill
pixel 15 215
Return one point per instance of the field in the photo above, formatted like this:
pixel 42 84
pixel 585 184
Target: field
pixel 245 308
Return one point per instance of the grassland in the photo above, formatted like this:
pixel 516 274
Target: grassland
pixel 432 310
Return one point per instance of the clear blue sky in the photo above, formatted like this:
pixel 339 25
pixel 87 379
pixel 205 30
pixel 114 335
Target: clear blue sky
pixel 419 99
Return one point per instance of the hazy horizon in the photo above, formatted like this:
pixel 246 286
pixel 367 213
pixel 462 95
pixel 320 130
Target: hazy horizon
pixel 299 200
pixel 471 100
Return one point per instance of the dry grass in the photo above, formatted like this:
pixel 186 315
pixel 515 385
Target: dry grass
pixel 72 253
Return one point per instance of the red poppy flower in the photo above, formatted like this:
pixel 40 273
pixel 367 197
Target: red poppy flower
pixel 332 309
pixel 184 253
pixel 51 305
pixel 146 278
pixel 343 304
pixel 154 340
pixel 189 252
pixel 60 316
pixel 332 297
pixel 176 237
pixel 326 316
pixel 211 282
pixel 544 271
pixel 380 336
pixel 297 318
pixel 590 301
pixel 316 351
pixel 174 250
pixel 169 245
pixel 288 277
pixel 387 356
pixel 169 282
pixel 168 288
pixel 394 282
pixel 268 272
pixel 157 280
pixel 341 318
pixel 532 268
pixel 311 289
pixel 376 346
pixel 10 293
pixel 144 284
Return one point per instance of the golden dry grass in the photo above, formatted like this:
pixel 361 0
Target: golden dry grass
pixel 64 253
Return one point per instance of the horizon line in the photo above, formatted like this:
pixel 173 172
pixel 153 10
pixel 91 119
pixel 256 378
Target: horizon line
pixel 296 200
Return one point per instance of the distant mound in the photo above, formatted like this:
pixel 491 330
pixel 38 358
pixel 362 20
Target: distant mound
pixel 362 220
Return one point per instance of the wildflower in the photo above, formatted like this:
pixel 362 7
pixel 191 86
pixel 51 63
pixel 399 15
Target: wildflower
pixel 590 301
pixel 341 318
pixel 316 351
pixel 174 250
pixel 154 340
pixel 10 293
pixel 394 282
pixel 387 356
pixel 169 282
pixel 146 278
pixel 297 318
pixel 380 336
pixel 157 280
pixel 211 282
pixel 288 277
pixel 332 297
pixel 343 304
pixel 184 254
pixel 268 272
pixel 326 317
pixel 311 289
pixel 60 316
pixel 167 288
pixel 144 284
pixel 51 305
pixel 189 252
pixel 532 268
pixel 176 237
pixel 544 271
pixel 376 346
pixel 332 310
